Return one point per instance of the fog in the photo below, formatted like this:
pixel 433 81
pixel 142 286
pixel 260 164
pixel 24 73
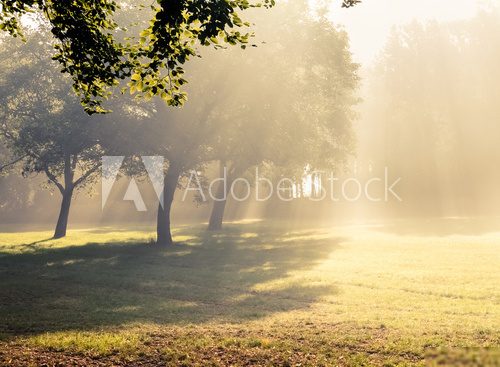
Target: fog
pixel 415 105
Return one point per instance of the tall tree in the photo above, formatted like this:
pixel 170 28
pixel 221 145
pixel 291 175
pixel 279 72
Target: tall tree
pixel 98 52
pixel 434 119
pixel 43 123
pixel 295 109
pixel 184 137
pixel 287 102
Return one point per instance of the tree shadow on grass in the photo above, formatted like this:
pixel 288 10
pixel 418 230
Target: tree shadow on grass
pixel 236 275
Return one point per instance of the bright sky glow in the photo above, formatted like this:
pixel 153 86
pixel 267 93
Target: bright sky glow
pixel 370 22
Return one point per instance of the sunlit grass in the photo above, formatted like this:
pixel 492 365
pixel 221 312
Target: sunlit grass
pixel 346 295
pixel 93 343
pixel 30 241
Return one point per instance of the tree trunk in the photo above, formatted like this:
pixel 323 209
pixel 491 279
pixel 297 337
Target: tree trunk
pixel 217 215
pixel 163 231
pixel 62 221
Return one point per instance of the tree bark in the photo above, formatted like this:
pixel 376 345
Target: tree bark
pixel 163 230
pixel 219 206
pixel 62 221
pixel 217 214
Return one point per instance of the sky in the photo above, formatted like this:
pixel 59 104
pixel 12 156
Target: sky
pixel 370 22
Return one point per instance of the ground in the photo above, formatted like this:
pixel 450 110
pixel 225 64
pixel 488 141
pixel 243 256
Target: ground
pixel 256 294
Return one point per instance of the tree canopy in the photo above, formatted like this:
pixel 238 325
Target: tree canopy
pixel 89 49
pixel 98 52
pixel 43 124
pixel 287 103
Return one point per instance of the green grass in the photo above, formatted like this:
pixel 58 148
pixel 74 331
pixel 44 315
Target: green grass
pixel 253 294
pixel 94 343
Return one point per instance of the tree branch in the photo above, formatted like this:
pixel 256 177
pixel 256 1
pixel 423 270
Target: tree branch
pixel 6 165
pixel 87 174
pixel 54 179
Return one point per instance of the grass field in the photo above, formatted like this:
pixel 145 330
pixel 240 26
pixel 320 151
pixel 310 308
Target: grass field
pixel 254 294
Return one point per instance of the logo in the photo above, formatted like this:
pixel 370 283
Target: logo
pixel 110 169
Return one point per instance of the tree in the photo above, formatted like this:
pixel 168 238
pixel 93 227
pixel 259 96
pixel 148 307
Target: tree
pixel 292 107
pixel 184 137
pixel 296 108
pixel 43 123
pixel 14 192
pixel 88 46
pixel 434 121
pixel 187 138
pixel 7 161
pixel 89 49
